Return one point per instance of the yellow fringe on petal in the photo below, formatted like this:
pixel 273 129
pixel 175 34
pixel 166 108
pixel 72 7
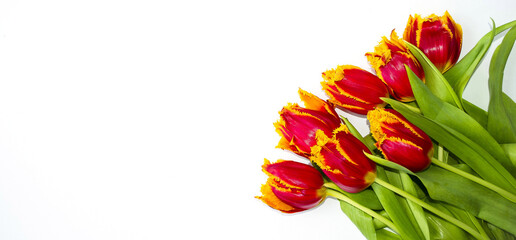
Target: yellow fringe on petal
pixel 270 199
pixel 379 117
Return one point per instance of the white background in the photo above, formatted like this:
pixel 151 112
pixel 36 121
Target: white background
pixel 151 119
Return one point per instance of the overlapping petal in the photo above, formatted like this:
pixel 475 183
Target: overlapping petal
pixel 341 158
pixel 399 140
pixel 439 37
pixel 292 186
pixel 354 89
pixel 389 60
pixel 297 125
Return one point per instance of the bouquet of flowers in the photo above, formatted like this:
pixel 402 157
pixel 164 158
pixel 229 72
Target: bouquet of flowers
pixel 434 165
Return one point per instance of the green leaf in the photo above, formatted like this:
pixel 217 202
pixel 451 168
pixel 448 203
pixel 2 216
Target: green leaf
pixel 446 186
pixel 463 216
pixel 497 233
pixel 458 76
pixel 434 80
pixel 499 122
pixel 391 204
pixel 435 109
pixel 476 113
pixel 387 235
pixel 510 150
pixel 387 163
pixel 362 220
pixel 417 211
pixel 394 178
pixel 442 229
pixel 468 151
pixel 366 197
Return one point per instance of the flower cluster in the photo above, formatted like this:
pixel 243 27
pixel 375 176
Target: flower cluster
pixel 407 135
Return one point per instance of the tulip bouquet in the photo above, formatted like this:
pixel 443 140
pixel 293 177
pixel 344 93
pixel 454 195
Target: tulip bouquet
pixel 434 165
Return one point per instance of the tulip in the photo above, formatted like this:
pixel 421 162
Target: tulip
pixel 399 140
pixel 297 125
pixel 440 38
pixel 389 59
pixel 354 89
pixel 342 159
pixel 292 186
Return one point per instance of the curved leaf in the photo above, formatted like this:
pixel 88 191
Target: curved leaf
pixel 434 80
pixel 458 76
pixel 469 196
pixel 441 112
pixel 468 151
pixel 499 122
pixel 391 204
pixel 362 220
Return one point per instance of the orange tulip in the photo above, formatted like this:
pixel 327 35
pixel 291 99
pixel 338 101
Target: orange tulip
pixel 292 186
pixel 389 59
pixel 354 89
pixel 440 38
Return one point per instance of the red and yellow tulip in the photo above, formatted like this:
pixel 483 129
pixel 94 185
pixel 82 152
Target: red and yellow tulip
pixel 389 59
pixel 297 125
pixel 292 186
pixel 354 89
pixel 440 38
pixel 342 159
pixel 399 140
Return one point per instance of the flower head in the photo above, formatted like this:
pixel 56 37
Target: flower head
pixel 292 186
pixel 440 38
pixel 399 140
pixel 389 59
pixel 342 159
pixel 354 89
pixel 297 125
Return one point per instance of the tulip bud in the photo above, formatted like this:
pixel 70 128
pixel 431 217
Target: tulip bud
pixel 440 38
pixel 354 89
pixel 342 159
pixel 297 125
pixel 389 59
pixel 292 186
pixel 399 140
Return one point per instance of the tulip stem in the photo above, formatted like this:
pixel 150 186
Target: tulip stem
pixel 430 208
pixel 338 195
pixel 504 193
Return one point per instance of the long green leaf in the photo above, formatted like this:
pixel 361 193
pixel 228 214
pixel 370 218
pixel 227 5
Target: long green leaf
pixel 510 150
pixel 417 211
pixel 435 109
pixel 434 80
pixel 499 234
pixel 468 151
pixel 499 122
pixel 392 206
pixel 366 197
pixel 442 229
pixel 446 186
pixel 362 220
pixel 394 178
pixel 464 216
pixel 475 112
pixel 386 235
pixel 458 76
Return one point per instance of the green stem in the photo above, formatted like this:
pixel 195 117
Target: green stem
pixel 338 195
pixel 430 208
pixel 504 193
